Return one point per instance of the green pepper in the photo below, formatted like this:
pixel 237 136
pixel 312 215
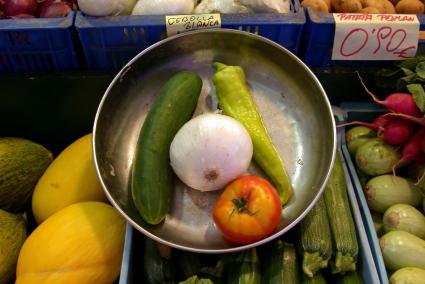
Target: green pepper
pixel 236 101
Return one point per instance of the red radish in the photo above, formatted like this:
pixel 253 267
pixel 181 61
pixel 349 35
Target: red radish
pixel 375 125
pixel 396 132
pixel 397 102
pixel 418 120
pixel 412 149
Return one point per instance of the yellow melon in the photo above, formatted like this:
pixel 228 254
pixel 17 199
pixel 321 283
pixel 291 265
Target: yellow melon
pixel 82 243
pixel 69 179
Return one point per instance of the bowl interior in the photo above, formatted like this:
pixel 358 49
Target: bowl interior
pixel 291 101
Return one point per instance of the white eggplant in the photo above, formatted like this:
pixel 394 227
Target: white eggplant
pixel 402 249
pixel 386 190
pixel 404 217
pixel 408 275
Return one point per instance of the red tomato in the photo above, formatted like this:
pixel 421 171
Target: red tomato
pixel 248 210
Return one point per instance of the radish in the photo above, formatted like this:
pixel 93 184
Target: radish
pixel 396 132
pixel 412 149
pixel 375 125
pixel 397 102
pixel 418 120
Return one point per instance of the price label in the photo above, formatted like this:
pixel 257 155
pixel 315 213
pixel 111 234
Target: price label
pixel 375 36
pixel 182 23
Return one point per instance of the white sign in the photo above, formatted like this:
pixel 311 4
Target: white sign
pixel 375 36
pixel 182 23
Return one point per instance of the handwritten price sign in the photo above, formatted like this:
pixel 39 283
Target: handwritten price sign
pixel 375 36
pixel 182 23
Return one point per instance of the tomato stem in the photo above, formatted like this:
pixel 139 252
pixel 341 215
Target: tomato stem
pixel 241 205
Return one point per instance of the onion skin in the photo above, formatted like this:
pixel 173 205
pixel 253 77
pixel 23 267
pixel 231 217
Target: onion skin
pixel 54 9
pixel 210 151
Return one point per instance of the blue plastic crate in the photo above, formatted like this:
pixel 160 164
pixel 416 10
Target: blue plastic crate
pixel 110 42
pixel 317 42
pixel 29 46
pixel 364 112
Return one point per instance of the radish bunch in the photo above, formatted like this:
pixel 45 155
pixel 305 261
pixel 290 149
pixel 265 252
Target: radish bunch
pixel 402 125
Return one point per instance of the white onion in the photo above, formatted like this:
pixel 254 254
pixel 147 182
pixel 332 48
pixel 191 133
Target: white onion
pixel 220 6
pixel 106 7
pixel 163 7
pixel 210 150
pixel 267 6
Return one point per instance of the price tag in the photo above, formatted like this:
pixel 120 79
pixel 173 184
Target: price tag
pixel 182 23
pixel 375 36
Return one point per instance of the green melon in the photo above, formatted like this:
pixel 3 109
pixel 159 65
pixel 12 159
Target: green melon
pixel 12 237
pixel 22 162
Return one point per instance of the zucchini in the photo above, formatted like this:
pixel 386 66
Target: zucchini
pixel 189 263
pixel 152 175
pixel 402 249
pixel 315 239
pixel 280 264
pixel 408 275
pixel 245 269
pixel 387 190
pixel 404 217
pixel 317 279
pixel 157 268
pixel 346 248
pixel 352 277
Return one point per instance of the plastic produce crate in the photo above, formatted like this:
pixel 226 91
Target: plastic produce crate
pixel 364 112
pixel 317 42
pixel 132 271
pixel 109 43
pixel 29 46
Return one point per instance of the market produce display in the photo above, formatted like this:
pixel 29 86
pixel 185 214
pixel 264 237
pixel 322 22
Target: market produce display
pixel 24 9
pixel 366 6
pixel 389 159
pixel 78 238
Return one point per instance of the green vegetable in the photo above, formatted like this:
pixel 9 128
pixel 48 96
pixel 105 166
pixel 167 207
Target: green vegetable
pixel 346 248
pixel 402 249
pixel 22 163
pixel 189 263
pixel 357 136
pixel 408 275
pixel 387 190
pixel 195 280
pixel 375 157
pixel 245 269
pixel 404 217
pixel 13 233
pixel 317 279
pixel 352 277
pixel 152 176
pixel 158 269
pixel 315 239
pixel 280 264
pixel 236 101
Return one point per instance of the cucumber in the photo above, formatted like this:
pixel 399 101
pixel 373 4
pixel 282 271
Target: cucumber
pixel 402 249
pixel 152 175
pixel 408 275
pixel 404 217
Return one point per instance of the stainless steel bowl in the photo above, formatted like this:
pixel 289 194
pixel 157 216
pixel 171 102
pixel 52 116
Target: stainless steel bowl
pixel 292 102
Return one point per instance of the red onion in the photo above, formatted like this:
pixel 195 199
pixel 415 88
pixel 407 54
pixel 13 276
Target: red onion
pixel 22 16
pixel 16 7
pixel 54 9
